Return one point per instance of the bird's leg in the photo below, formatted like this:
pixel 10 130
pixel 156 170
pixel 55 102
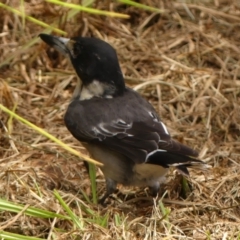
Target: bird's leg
pixel 110 187
pixel 86 166
pixel 154 189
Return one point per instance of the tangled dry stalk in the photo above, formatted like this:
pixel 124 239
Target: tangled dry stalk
pixel 186 61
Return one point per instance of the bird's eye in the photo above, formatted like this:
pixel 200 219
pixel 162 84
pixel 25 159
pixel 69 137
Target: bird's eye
pixel 74 48
pixel 77 49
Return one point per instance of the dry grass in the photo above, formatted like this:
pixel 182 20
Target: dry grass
pixel 185 61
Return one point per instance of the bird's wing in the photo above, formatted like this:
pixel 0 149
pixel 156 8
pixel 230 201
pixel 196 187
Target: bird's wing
pixel 145 142
pixel 141 136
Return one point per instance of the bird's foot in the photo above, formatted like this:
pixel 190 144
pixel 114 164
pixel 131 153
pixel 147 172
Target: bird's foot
pixel 111 187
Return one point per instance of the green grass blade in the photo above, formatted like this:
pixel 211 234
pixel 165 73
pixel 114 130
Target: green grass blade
pixel 89 10
pixel 186 190
pixel 30 211
pixel 23 48
pixel 32 19
pixel 87 3
pixel 75 219
pixel 23 12
pixel 142 6
pixel 13 236
pixel 48 135
pixel 92 174
pixel 166 212
pixel 105 220
pixel 85 196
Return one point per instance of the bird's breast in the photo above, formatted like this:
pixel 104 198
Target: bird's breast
pixel 123 170
pixel 147 174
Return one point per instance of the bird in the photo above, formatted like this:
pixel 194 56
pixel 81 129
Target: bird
pixel 118 127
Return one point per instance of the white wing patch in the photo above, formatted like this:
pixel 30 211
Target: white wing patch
pixel 153 152
pixel 121 124
pixel 105 131
pixel 152 115
pixel 97 133
pixel 116 127
pixel 155 119
pixel 164 127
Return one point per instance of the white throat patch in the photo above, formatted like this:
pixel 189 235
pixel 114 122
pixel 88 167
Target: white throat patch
pixel 94 89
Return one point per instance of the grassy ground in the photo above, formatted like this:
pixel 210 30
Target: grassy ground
pixel 185 61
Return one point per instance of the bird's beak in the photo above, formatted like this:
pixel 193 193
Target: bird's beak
pixel 59 43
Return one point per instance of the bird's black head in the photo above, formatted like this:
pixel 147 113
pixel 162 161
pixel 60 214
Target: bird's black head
pixel 95 62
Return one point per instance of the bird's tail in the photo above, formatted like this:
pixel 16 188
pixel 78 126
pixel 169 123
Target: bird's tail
pixel 179 161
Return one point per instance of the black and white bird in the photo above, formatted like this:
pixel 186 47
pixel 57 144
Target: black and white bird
pixel 115 124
